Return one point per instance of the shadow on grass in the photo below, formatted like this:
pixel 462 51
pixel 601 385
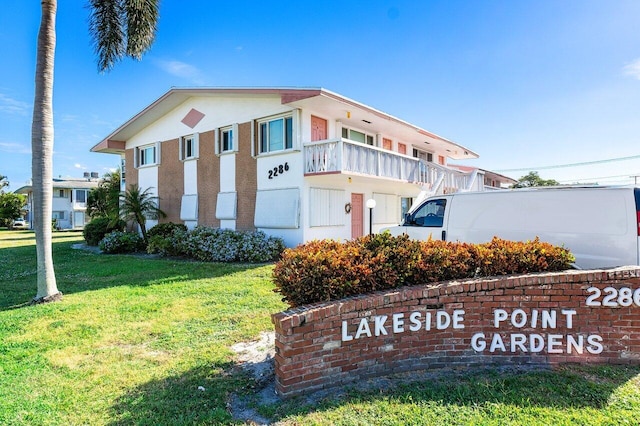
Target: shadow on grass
pixel 82 270
pixel 198 396
pixel 570 387
pixel 203 395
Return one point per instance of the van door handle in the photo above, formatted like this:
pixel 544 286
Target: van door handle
pixel 444 235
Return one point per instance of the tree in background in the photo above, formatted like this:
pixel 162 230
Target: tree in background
pixel 533 179
pixel 104 201
pixel 11 206
pixel 119 28
pixel 138 206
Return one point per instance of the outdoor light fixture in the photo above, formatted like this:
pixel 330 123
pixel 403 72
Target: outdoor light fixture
pixel 371 203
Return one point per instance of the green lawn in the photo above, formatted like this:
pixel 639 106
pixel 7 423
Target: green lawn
pixel 134 338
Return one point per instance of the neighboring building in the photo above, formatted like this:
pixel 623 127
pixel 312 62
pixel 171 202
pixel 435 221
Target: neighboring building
pixel 69 201
pixel 295 163
pixel 492 180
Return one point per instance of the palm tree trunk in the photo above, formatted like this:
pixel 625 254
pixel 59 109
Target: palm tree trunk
pixel 42 153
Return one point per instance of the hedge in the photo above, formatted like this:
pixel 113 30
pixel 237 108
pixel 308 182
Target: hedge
pixel 325 270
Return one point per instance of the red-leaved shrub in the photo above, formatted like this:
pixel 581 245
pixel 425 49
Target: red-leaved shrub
pixel 325 270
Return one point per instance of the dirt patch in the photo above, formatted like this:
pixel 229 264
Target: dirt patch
pixel 256 359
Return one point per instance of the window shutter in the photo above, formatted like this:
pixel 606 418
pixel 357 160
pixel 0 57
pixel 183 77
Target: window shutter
pixel 295 122
pixel 158 153
pixel 196 145
pixel 217 140
pixel 182 148
pixel 254 149
pixel 235 137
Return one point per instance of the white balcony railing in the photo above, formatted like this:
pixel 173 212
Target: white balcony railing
pixel 345 156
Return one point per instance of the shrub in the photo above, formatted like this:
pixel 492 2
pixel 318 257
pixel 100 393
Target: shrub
pixel 122 242
pixel 165 229
pixel 226 245
pixel 500 257
pixel 95 230
pixel 169 244
pixel 392 259
pixel 216 245
pixel 327 270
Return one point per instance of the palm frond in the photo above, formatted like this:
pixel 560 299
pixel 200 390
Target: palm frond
pixel 106 28
pixel 141 19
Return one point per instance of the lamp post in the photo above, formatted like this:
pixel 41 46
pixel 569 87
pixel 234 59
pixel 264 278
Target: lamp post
pixel 371 203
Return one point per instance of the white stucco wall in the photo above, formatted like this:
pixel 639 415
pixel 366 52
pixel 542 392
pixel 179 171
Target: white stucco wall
pixel 228 111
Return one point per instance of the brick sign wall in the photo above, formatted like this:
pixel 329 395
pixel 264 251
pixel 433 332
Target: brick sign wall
pixel 541 319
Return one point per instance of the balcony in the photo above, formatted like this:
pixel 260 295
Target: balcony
pixel 345 156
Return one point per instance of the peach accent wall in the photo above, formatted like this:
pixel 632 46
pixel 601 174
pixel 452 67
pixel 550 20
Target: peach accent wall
pixel 170 181
pixel 458 325
pixel 208 180
pixel 246 179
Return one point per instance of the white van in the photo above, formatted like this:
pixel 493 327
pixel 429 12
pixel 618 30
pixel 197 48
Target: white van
pixel 600 225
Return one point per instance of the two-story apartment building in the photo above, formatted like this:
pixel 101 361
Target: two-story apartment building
pixel 295 163
pixel 69 201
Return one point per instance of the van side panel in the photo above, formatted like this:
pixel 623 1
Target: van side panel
pixel 598 226
pixel 636 193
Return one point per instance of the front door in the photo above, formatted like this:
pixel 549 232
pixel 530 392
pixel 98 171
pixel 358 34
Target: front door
pixel 78 219
pixel 318 129
pixel 357 215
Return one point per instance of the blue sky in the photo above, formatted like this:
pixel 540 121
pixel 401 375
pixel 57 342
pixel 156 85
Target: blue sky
pixel 529 85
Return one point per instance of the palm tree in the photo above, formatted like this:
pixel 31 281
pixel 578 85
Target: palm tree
pixel 104 201
pixel 42 154
pixel 119 28
pixel 138 206
pixel 3 182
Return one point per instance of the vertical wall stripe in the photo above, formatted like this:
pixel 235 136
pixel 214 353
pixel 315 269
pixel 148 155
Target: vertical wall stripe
pixel 170 180
pixel 246 178
pixel 131 176
pixel 208 180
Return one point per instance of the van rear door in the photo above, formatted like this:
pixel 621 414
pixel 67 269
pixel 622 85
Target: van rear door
pixel 428 220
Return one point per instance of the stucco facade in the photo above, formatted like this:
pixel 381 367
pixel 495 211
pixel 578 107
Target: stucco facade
pixel 290 162
pixel 69 204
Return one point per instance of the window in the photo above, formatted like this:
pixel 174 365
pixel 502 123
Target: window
pixel 357 136
pixel 226 139
pixel 81 196
pixel 226 136
pixel 147 155
pixel 405 205
pixel 276 134
pixel 430 214
pixel 123 173
pixel 189 147
pixel 326 207
pixel 423 155
pixel 59 193
pixel 57 215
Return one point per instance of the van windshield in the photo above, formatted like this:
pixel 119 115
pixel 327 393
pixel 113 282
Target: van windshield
pixel 430 214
